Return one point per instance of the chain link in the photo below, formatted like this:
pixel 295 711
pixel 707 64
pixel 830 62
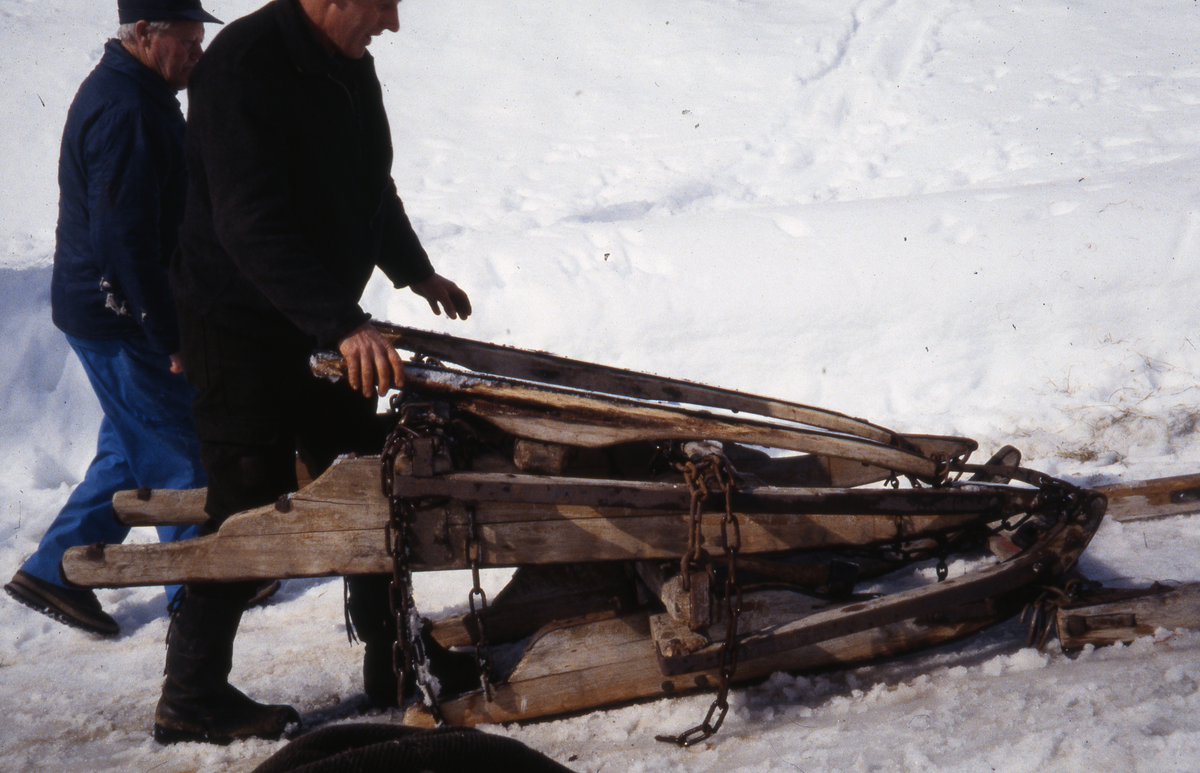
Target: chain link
pixel 418 421
pixel 483 650
pixel 696 555
pixel 409 661
pixel 712 471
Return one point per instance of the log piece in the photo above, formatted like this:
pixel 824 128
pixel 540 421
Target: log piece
pixel 1123 616
pixel 1155 498
pixel 691 606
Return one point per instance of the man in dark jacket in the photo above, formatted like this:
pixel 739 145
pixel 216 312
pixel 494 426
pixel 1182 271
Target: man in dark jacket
pixel 291 206
pixel 122 181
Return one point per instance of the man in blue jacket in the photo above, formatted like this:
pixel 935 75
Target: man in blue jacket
pixel 122 181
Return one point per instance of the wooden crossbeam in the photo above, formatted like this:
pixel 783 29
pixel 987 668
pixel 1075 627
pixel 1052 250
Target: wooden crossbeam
pixel 336 526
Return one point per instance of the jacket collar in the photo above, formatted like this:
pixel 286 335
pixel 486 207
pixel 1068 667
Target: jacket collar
pixel 307 53
pixel 117 58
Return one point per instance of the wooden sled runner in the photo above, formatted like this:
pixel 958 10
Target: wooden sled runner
pixel 668 536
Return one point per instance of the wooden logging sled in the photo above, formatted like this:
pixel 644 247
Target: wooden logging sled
pixel 635 508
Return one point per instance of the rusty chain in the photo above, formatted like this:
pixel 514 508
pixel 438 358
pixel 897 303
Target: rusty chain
pixel 409 662
pixel 483 650
pixel 423 420
pixel 698 491
pixel 714 469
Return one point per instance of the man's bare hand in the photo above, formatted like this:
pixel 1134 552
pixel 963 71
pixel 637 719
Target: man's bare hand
pixel 176 363
pixel 437 289
pixel 372 364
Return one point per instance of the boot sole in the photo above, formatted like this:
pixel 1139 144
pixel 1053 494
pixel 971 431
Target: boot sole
pixel 31 597
pixel 286 718
pixel 168 736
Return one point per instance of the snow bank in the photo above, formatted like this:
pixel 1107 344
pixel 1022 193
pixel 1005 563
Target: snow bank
pixel 944 216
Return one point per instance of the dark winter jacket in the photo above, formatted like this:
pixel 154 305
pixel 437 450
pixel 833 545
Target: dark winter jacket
pixel 291 203
pixel 122 181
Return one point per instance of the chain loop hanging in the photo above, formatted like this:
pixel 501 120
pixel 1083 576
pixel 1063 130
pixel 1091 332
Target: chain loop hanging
pixel 483 650
pixel 409 661
pixel 713 469
pixel 433 426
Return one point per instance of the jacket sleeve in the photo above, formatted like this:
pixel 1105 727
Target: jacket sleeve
pixel 236 131
pixel 403 260
pixel 126 158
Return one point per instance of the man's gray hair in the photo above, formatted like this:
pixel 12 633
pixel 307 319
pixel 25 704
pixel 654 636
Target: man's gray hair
pixel 125 32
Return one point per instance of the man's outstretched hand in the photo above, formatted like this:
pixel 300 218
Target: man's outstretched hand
pixel 437 289
pixel 372 364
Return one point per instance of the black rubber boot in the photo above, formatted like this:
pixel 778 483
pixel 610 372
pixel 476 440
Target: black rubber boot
pixel 371 616
pixel 371 619
pixel 198 703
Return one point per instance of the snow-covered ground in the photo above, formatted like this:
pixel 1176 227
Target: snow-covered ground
pixel 946 216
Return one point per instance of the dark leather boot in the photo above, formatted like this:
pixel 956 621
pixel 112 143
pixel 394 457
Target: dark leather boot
pixel 198 703
pixel 371 619
pixel 371 616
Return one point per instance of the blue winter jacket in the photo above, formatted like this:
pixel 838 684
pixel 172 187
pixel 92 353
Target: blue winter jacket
pixel 122 182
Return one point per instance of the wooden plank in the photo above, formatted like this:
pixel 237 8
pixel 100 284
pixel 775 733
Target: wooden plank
pixel 636 497
pixel 228 559
pixel 583 419
pixel 589 664
pixel 347 481
pixel 1128 615
pixel 346 499
pixel 509 536
pixel 1154 498
pixel 541 367
pixel 161 507
pixel 813 470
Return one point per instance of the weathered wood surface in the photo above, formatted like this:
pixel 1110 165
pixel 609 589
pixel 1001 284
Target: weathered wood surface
pixel 689 606
pixel 552 415
pixel 538 595
pixel 816 470
pixel 510 535
pixel 1154 498
pixel 1123 616
pixel 333 527
pixel 1054 555
pixel 159 507
pixel 228 559
pixel 544 368
pixel 170 507
pixel 585 664
pixel 336 526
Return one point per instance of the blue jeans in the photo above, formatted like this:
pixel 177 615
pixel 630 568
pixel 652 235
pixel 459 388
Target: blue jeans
pixel 147 438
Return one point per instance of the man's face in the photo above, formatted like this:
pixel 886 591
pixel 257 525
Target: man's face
pixel 353 23
pixel 174 52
